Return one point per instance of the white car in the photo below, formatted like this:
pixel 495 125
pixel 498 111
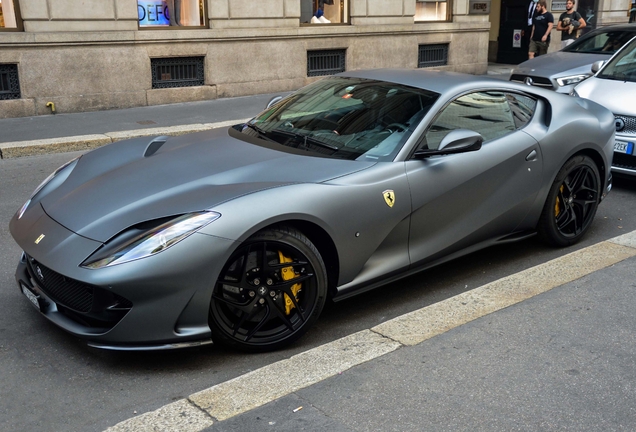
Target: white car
pixel 614 86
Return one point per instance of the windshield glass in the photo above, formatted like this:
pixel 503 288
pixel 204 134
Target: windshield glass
pixel 622 67
pixel 607 42
pixel 347 118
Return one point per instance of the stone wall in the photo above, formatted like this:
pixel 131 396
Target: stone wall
pixel 91 68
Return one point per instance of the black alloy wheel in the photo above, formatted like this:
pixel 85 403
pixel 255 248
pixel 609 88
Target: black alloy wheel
pixel 270 291
pixel 572 202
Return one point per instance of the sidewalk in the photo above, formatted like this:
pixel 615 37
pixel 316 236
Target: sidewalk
pixel 549 348
pixel 27 136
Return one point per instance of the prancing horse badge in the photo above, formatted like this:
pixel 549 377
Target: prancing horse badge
pixel 389 197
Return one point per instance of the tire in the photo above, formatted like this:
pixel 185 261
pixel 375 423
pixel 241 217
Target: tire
pixel 572 202
pixel 269 293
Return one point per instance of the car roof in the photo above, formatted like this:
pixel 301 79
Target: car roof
pixel 427 79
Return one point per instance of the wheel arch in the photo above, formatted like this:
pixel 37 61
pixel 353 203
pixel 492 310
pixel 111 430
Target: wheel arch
pixel 323 242
pixel 600 165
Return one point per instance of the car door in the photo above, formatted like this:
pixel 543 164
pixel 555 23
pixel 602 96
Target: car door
pixel 463 199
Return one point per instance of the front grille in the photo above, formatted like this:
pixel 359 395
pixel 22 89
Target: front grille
pixel 624 161
pixel 65 291
pixel 630 125
pixel 536 80
pixel 87 304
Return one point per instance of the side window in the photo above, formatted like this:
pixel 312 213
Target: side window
pixel 486 112
pixel 522 108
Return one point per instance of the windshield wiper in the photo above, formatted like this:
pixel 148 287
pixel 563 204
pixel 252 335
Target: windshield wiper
pixel 261 133
pixel 307 139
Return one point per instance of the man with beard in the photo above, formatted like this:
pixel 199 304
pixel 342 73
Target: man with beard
pixel 570 23
pixel 541 28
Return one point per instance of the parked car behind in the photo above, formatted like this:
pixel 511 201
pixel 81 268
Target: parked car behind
pixel 562 70
pixel 614 86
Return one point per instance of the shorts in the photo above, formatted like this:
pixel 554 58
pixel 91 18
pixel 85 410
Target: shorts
pixel 538 47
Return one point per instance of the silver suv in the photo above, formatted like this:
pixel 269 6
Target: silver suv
pixel 562 70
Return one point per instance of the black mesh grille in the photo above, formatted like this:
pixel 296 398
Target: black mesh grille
pixel 65 291
pixel 624 161
pixel 630 125
pixel 325 62
pixel 9 82
pixel 177 72
pixel 536 80
pixel 432 55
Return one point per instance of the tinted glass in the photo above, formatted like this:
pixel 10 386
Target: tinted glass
pixel 348 118
pixel 621 67
pixel 488 113
pixel 605 42
pixel 522 108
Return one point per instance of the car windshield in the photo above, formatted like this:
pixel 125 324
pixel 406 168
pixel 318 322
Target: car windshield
pixel 346 118
pixel 602 42
pixel 621 67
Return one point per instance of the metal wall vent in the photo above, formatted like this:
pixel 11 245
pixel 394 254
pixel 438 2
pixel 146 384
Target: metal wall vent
pixel 9 82
pixel 177 72
pixel 325 62
pixel 432 55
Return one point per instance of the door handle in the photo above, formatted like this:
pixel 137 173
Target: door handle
pixel 532 156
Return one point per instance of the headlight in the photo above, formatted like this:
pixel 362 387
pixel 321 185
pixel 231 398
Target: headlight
pixel 573 79
pixel 125 248
pixel 59 174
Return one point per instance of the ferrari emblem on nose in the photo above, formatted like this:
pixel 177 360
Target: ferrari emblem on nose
pixel 39 239
pixel 389 197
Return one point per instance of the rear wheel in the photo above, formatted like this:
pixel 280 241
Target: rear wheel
pixel 270 291
pixel 572 202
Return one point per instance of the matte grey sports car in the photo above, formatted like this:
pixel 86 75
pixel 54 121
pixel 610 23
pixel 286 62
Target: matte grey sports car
pixel 240 235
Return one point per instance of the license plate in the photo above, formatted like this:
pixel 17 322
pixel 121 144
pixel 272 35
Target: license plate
pixel 32 297
pixel 624 147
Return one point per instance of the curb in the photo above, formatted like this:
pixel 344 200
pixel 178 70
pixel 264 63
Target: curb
pixel 18 149
pixel 261 386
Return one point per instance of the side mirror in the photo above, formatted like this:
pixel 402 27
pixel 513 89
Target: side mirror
pixel 597 65
pixel 273 101
pixel 457 141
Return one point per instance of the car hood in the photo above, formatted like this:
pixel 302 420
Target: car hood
pixel 116 186
pixel 559 63
pixel 616 96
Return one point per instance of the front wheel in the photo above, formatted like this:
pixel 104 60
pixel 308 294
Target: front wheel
pixel 270 291
pixel 572 202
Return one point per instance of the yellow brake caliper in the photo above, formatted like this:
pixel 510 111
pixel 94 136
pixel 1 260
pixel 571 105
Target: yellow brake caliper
pixel 287 274
pixel 557 205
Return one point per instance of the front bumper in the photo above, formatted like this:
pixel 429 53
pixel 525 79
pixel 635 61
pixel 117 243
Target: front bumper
pixel 156 302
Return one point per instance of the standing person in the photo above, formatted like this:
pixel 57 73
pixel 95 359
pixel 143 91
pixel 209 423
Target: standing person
pixel 541 28
pixel 632 12
pixel 532 12
pixel 570 22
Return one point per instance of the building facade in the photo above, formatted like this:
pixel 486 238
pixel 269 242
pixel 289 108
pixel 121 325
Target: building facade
pixel 83 55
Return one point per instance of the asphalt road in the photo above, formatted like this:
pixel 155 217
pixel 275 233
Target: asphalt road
pixel 51 381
